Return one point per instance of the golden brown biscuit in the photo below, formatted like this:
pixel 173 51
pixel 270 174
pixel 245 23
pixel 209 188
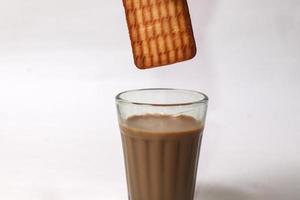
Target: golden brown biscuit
pixel 160 32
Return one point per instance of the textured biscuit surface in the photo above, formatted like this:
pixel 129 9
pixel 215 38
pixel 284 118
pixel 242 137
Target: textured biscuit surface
pixel 160 32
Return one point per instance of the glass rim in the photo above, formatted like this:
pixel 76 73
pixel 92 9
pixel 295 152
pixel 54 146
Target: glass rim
pixel 203 98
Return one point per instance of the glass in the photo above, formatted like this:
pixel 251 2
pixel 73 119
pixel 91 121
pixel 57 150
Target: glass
pixel 161 133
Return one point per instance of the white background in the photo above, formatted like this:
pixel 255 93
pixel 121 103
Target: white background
pixel 62 62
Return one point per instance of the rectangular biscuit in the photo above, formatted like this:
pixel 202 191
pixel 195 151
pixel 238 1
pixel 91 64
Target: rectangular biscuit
pixel 160 32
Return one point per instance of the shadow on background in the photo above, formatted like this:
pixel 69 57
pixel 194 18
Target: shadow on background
pixel 262 184
pixel 218 192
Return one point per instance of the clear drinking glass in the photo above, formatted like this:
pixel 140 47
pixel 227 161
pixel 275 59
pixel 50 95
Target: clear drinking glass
pixel 161 133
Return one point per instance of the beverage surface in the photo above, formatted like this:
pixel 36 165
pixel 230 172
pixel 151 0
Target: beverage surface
pixel 156 125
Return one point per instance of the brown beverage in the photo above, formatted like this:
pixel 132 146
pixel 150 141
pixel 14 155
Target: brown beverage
pixel 161 156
